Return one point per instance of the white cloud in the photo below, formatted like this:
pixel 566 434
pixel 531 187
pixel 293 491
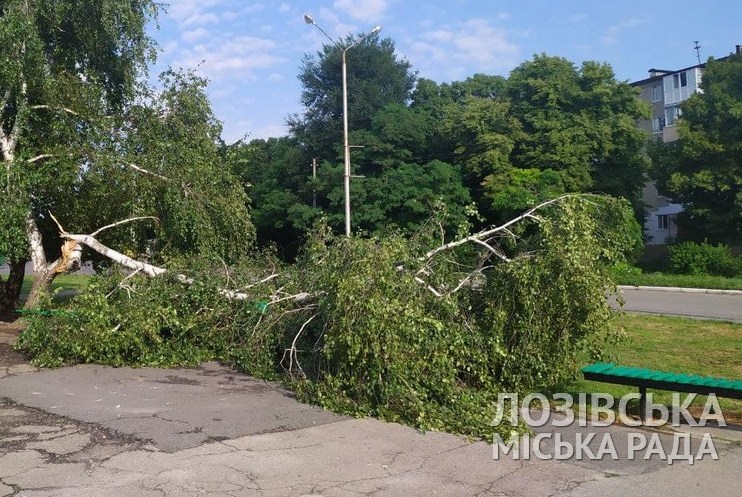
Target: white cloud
pixel 275 77
pixel 168 48
pixel 362 10
pixel 614 32
pixel 453 52
pixel 194 34
pixel 285 7
pixel 181 10
pixel 331 23
pixel 201 19
pixel 224 56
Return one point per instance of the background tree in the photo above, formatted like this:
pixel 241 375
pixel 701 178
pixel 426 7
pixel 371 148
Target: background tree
pixel 401 182
pixel 703 169
pixel 579 124
pixel 549 128
pixel 505 144
pixel 277 174
pixel 377 76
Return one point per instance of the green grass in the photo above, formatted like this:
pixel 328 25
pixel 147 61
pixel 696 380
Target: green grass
pixel 63 282
pixel 679 345
pixel 680 280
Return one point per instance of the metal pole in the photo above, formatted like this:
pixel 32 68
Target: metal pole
pixel 346 145
pixel 314 187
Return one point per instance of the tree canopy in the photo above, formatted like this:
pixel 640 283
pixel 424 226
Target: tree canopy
pixel 377 77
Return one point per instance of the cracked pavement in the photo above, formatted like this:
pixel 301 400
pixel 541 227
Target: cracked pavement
pixel 98 431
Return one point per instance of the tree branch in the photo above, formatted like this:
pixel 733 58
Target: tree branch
pixel 147 172
pixel 483 238
pixel 264 280
pixel 151 270
pixel 39 157
pixel 491 249
pixel 63 109
pixel 491 231
pixel 116 256
pixel 293 352
pixel 119 223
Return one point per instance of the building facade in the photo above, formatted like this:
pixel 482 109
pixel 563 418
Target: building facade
pixel 664 90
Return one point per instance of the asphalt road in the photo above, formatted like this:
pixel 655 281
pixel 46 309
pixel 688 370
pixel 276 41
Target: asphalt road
pixel 93 431
pixel 723 306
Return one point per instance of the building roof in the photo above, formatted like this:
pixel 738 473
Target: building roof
pixel 661 73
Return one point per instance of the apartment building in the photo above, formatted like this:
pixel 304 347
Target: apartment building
pixel 665 90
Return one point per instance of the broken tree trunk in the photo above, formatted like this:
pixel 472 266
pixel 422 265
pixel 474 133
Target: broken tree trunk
pixel 44 272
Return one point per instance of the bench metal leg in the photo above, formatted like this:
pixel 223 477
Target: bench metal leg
pixel 643 403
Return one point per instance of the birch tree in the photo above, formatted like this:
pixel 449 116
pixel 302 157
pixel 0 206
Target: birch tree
pixel 65 67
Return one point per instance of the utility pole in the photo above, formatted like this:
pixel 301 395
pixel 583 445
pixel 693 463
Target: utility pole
pixel 314 185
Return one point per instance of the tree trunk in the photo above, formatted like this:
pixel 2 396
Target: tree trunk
pixel 41 286
pixel 10 289
pixel 44 273
pixel 42 283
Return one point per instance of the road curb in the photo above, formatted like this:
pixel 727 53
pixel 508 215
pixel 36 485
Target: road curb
pixel 680 290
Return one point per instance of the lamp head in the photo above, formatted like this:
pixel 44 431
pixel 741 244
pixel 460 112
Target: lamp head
pixel 376 29
pixel 308 19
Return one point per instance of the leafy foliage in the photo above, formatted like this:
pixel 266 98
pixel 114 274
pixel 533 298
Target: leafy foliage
pixel 200 206
pixel 391 348
pixel 377 77
pixel 162 322
pixel 704 258
pixel 503 144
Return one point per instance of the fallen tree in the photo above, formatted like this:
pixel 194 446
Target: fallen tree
pixel 421 330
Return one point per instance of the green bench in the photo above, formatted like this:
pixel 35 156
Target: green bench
pixel 650 378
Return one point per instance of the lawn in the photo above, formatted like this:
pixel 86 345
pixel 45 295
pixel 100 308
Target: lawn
pixel 63 282
pixel 680 280
pixel 674 344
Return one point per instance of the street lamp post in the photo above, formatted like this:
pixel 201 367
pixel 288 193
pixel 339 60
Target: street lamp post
pixel 346 144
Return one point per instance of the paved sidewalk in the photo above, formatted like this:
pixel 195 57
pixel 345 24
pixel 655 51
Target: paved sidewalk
pixel 97 431
pixel 725 305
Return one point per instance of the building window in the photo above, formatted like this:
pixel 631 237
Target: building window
pixel 680 80
pixel 662 221
pixel 656 93
pixel 658 124
pixel 672 114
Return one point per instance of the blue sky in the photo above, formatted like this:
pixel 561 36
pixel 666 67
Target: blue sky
pixel 251 51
